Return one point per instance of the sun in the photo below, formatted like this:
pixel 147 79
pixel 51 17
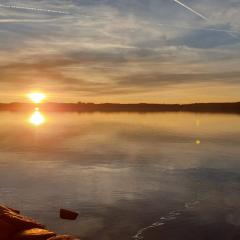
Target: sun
pixel 37 97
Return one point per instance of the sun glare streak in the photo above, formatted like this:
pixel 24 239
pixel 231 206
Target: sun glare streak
pixel 37 118
pixel 37 97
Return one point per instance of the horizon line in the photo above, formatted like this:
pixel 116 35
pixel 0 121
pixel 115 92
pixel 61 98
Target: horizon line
pixel 119 103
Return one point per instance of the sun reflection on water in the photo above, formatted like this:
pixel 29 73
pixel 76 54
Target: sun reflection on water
pixel 198 141
pixel 37 118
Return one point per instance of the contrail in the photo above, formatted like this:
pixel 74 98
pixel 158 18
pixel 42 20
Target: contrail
pixel 231 33
pixel 190 9
pixel 2 21
pixel 32 9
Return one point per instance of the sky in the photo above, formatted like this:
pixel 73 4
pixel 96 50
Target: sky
pixel 120 50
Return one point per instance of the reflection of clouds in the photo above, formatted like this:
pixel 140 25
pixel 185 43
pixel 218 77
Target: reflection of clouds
pixel 234 217
pixel 107 144
pixel 111 201
pixel 120 136
pixel 113 168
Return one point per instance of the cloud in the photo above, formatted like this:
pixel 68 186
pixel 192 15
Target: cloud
pixel 105 49
pixel 212 39
pixel 158 79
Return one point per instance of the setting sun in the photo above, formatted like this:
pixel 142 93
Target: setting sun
pixel 37 97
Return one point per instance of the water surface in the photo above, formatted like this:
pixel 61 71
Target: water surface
pixel 128 175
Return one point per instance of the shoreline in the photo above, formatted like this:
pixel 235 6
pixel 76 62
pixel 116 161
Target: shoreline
pixel 112 107
pixel 14 226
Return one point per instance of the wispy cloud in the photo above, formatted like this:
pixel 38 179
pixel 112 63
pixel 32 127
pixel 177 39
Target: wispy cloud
pixel 118 50
pixel 202 29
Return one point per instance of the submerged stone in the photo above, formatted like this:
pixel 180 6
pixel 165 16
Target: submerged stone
pixel 67 214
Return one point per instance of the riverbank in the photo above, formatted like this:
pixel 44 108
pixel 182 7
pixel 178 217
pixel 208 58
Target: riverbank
pixel 117 107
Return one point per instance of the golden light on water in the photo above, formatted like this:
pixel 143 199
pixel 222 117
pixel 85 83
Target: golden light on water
pixel 37 97
pixel 197 123
pixel 198 141
pixel 37 118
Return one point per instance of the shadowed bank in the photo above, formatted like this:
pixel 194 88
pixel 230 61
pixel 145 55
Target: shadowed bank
pixel 115 107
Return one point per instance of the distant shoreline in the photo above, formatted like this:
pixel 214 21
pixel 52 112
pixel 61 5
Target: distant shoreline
pixel 115 107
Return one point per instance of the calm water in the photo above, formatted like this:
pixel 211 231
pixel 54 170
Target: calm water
pixel 127 174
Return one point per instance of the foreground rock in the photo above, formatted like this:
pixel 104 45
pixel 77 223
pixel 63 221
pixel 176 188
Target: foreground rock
pixel 6 230
pixel 67 214
pixel 14 226
pixel 19 222
pixel 34 234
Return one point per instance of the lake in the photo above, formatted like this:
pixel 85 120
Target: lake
pixel 129 175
